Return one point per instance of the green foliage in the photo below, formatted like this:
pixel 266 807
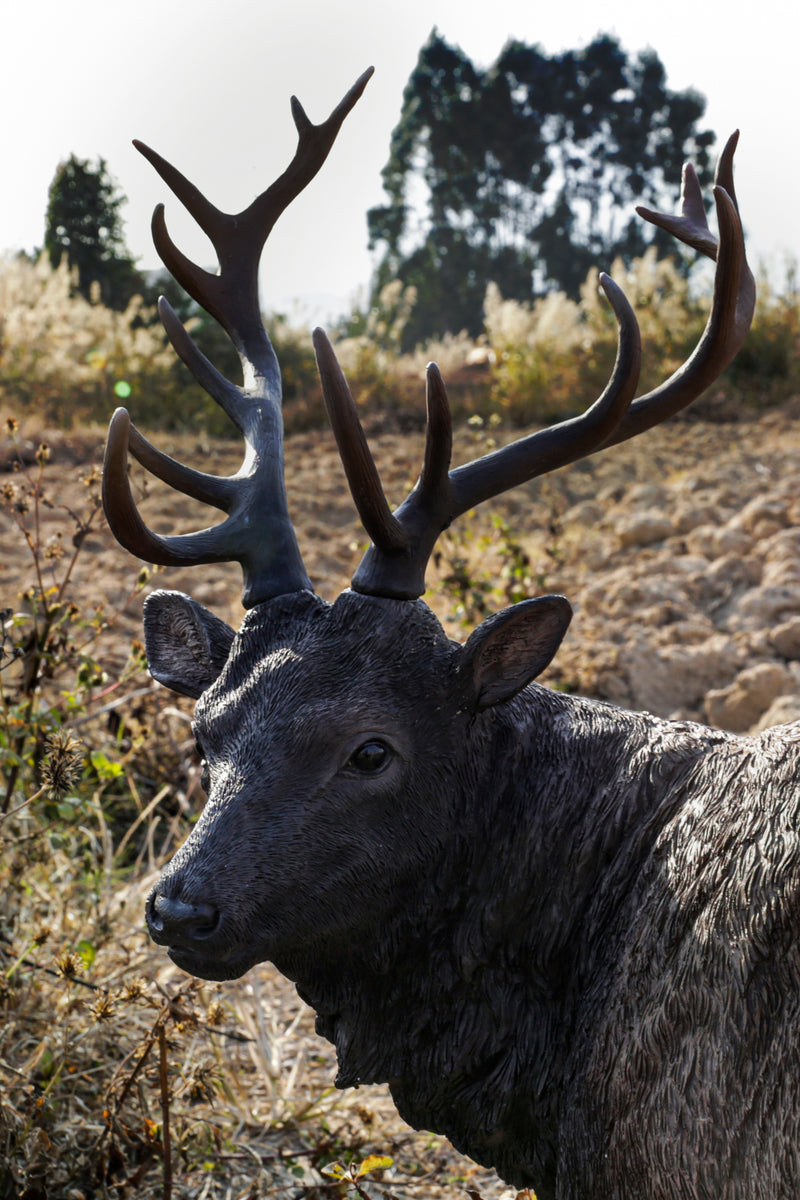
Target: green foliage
pixel 350 1176
pixel 49 676
pixel 481 573
pixel 84 229
pixel 526 173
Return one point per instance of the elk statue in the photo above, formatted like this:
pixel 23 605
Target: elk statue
pixel 567 935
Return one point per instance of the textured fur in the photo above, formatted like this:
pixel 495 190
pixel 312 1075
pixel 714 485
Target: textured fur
pixel 565 934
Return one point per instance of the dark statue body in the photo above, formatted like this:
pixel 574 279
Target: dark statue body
pixel 565 934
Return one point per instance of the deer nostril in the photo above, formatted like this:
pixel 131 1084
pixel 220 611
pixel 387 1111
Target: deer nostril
pixel 175 921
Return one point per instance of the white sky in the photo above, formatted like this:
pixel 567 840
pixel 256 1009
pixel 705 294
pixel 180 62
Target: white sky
pixel 207 84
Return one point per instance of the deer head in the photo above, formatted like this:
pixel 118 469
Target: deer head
pixel 343 742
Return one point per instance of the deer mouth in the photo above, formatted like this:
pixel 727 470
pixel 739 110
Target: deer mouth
pixel 218 968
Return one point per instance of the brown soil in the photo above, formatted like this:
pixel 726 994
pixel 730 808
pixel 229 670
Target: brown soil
pixel 741 459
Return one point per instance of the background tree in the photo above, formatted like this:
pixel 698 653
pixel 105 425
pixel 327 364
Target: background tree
pixel 84 223
pixel 526 173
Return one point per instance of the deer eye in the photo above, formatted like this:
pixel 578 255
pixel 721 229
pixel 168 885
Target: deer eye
pixel 370 758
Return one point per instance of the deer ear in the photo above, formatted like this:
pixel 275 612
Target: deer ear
pixel 187 646
pixel 511 648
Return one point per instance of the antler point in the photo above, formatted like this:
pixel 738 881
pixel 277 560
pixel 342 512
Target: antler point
pixel 299 115
pixel 611 290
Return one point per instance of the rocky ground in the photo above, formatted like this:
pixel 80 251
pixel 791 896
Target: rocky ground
pixel 686 576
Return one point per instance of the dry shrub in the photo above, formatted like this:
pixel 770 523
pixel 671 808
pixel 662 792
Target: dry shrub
pixel 65 359
pixel 553 357
pixel 62 355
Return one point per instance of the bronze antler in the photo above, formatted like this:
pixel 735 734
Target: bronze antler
pixel 257 532
pixel 395 563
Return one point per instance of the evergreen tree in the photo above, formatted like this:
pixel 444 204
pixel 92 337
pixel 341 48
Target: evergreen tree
pixel 84 223
pixel 526 173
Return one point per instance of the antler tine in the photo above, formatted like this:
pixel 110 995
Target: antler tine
pixel 400 571
pixel 122 514
pixel 231 296
pixel 728 321
pixel 434 479
pixel 314 144
pixel 724 173
pixel 238 238
pixel 397 569
pixel 691 225
pixel 270 557
pixel 208 489
pixel 359 465
pixel 231 399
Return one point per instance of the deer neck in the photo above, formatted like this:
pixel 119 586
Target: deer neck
pixel 467 1002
